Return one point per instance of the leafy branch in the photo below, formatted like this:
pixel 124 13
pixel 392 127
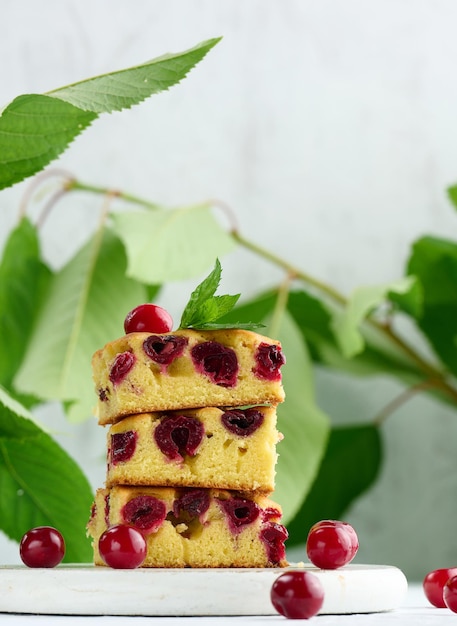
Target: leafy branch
pixel 36 128
pixel 435 377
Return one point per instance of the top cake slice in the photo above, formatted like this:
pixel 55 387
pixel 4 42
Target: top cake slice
pixel 143 372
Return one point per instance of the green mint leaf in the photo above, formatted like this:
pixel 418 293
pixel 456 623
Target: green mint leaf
pixel 217 306
pixel 35 129
pixel 204 308
pixel 198 298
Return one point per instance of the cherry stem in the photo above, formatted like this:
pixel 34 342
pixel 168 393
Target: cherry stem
pixel 432 373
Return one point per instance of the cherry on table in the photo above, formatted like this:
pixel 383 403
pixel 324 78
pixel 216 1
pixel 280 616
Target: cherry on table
pixel 122 547
pixel 331 544
pixel 148 318
pixel 42 546
pixel 297 594
pixel 433 585
pixel 450 594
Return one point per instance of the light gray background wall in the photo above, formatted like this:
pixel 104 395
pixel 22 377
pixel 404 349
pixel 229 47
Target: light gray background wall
pixel 330 128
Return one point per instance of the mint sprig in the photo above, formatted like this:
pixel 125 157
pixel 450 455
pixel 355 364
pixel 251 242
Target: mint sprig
pixel 204 308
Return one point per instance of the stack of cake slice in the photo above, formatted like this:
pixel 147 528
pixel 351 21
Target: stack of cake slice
pixel 192 446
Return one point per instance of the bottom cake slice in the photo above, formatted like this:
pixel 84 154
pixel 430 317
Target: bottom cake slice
pixel 194 527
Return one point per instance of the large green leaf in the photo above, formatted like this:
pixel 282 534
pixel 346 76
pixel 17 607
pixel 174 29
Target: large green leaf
pixel 35 129
pixel 86 305
pixel 39 483
pixel 346 324
pixel 122 89
pixel 23 282
pixel 434 262
pixel 169 245
pixel 350 467
pixel 304 426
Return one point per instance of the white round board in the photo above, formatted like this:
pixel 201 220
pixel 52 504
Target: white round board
pixel 90 590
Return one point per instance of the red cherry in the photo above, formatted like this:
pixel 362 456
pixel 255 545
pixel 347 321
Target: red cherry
pixel 297 594
pixel 122 547
pixel 331 544
pixel 42 546
pixel 433 585
pixel 450 594
pixel 148 318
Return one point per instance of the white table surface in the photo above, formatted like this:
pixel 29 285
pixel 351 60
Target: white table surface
pixel 415 611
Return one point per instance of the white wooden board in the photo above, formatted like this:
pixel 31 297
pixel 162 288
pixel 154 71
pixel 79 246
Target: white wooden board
pixel 89 590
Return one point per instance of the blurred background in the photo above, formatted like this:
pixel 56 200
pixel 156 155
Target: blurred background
pixel 330 130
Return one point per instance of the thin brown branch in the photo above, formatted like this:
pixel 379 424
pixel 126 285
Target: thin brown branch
pixel 35 184
pixel 402 398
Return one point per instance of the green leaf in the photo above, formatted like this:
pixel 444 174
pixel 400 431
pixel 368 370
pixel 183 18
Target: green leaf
pixel 410 301
pixel 35 129
pixel 122 89
pixel 39 483
pixel 85 308
pixel 434 262
pixel 452 194
pixel 361 303
pixel 170 245
pixel 24 279
pixel 204 308
pixel 201 295
pixel 349 468
pixel 304 426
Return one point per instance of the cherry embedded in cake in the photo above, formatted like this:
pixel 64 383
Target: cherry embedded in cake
pixel 164 349
pixel 216 361
pixel 242 422
pixel 122 446
pixel 122 365
pixel 274 535
pixel 191 504
pixel 145 513
pixel 239 511
pixel 179 435
pixel 269 360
